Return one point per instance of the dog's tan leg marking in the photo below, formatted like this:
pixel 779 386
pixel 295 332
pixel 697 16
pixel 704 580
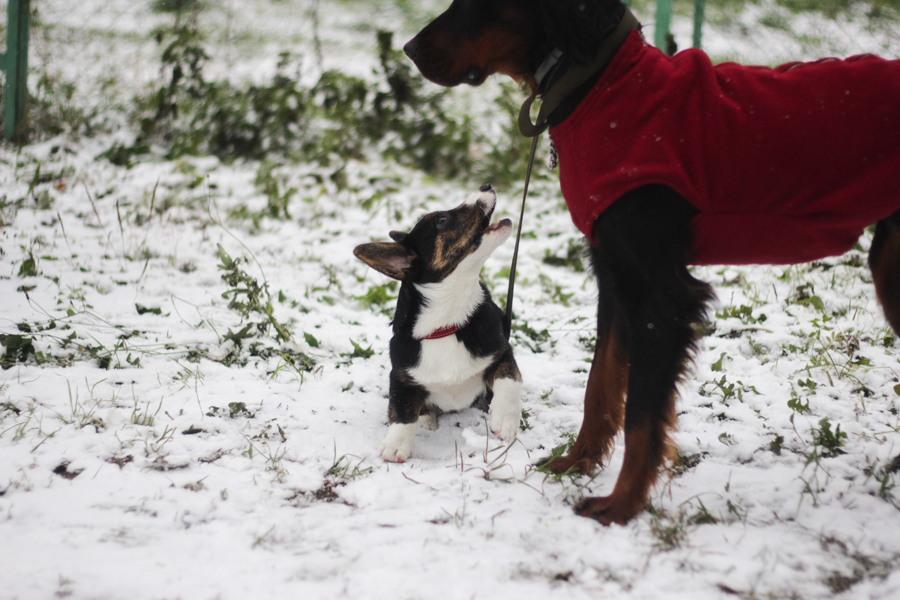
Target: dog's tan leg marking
pixel 647 447
pixel 604 406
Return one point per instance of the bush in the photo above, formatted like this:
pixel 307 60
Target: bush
pixel 340 117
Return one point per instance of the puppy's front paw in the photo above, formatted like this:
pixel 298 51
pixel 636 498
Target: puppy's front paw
pixel 394 455
pixel 505 423
pixel 506 409
pixel 398 443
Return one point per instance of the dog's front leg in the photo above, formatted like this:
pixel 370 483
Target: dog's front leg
pixel 604 398
pixel 405 403
pixel 642 242
pixel 505 381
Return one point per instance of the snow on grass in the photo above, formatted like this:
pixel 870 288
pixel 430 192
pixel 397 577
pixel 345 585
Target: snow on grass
pixel 150 449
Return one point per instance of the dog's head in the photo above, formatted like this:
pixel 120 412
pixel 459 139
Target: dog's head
pixel 474 39
pixel 441 243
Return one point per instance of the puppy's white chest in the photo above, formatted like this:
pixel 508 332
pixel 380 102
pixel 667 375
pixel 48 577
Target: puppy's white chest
pixel 453 377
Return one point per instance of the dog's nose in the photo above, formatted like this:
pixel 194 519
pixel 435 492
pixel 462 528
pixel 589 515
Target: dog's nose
pixel 485 188
pixel 412 48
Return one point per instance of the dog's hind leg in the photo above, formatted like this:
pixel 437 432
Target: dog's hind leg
pixel 644 240
pixel 884 260
pixel 604 399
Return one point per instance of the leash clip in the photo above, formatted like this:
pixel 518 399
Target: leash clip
pixel 526 127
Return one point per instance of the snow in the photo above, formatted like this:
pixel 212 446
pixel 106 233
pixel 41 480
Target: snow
pixel 149 480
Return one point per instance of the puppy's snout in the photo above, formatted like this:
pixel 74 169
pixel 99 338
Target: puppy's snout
pixel 485 199
pixel 412 48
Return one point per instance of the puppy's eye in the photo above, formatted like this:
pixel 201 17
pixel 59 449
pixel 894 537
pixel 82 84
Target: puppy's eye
pixel 474 74
pixel 441 221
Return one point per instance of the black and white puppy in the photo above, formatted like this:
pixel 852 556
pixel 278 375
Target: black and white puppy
pixel 449 348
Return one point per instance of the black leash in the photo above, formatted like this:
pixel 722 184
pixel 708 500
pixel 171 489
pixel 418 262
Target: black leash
pixel 507 323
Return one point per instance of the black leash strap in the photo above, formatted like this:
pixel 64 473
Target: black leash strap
pixel 507 323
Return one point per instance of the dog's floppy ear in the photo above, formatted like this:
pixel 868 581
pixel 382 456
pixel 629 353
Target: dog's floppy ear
pixel 578 26
pixel 388 258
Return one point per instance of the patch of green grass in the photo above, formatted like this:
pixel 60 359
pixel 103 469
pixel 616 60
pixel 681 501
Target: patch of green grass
pixel 379 296
pixel 826 443
pixel 743 312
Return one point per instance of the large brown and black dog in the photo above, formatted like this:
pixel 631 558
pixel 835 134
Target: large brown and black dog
pixel 671 161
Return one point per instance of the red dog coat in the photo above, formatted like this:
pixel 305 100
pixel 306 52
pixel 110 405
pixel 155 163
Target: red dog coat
pixel 783 165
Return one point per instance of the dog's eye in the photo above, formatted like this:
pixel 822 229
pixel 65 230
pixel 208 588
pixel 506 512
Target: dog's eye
pixel 474 74
pixel 441 221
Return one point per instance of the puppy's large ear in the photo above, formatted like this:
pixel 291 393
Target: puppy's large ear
pixel 578 26
pixel 393 260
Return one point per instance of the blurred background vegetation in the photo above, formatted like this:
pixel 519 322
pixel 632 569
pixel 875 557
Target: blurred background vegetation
pixel 323 81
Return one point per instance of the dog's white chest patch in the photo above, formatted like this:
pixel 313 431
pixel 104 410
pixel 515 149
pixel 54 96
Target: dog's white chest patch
pixel 450 373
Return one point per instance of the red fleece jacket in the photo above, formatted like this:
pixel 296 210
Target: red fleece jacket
pixel 784 165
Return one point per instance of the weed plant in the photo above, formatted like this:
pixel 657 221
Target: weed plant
pixel 250 299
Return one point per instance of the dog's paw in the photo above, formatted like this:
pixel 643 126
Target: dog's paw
pixel 608 510
pixel 504 425
pixel 571 463
pixel 506 409
pixel 505 421
pixel 394 455
pixel 397 444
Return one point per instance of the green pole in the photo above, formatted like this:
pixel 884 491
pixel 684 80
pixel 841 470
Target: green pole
pixel 699 6
pixel 15 62
pixel 663 23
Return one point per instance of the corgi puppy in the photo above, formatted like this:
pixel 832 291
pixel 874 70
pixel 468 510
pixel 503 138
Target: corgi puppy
pixel 449 347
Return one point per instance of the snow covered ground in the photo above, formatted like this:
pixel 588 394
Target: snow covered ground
pixel 144 455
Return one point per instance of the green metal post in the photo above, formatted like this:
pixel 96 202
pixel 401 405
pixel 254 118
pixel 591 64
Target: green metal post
pixel 663 23
pixel 699 7
pixel 15 63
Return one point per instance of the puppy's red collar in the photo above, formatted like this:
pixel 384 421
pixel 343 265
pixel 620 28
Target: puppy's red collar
pixel 441 332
